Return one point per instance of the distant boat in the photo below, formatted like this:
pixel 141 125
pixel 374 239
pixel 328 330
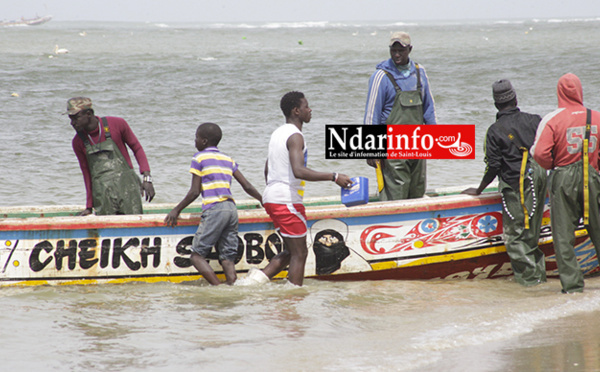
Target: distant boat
pixel 26 22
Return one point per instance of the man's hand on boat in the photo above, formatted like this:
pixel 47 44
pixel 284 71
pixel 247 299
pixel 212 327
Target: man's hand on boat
pixel 471 191
pixel 171 219
pixel 85 212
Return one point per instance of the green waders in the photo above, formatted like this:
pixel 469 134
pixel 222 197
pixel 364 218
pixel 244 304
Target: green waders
pixel 566 200
pixel 115 186
pixel 405 178
pixel 526 258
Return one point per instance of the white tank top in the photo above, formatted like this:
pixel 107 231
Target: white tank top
pixel 282 186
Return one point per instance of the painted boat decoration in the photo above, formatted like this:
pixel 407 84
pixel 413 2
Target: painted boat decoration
pixel 443 236
pixel 26 21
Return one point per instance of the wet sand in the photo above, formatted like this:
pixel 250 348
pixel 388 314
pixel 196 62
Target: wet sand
pixel 566 344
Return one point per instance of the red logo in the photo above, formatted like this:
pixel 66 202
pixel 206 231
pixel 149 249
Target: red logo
pixel 442 141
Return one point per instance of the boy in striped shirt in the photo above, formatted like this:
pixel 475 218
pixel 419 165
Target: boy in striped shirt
pixel 212 172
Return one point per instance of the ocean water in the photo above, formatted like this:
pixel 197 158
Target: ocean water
pixel 166 79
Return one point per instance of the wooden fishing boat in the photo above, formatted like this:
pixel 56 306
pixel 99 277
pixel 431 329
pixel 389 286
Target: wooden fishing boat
pixel 443 236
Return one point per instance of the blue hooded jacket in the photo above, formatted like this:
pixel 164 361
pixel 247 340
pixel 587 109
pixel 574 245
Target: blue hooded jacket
pixel 382 93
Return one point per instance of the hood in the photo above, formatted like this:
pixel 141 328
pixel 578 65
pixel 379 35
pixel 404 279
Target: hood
pixel 569 91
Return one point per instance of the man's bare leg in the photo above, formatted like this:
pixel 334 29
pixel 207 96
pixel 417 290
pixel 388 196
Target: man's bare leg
pixel 295 254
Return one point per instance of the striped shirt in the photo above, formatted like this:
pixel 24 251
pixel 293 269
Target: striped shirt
pixel 216 171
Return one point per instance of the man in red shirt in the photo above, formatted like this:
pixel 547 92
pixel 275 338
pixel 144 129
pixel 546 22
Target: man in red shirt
pixel 567 145
pixel 111 184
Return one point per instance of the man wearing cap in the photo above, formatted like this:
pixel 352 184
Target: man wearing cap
pixel 560 147
pixel 399 94
pixel 522 183
pixel 111 184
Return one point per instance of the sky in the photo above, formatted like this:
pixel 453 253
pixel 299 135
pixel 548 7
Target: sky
pixel 235 11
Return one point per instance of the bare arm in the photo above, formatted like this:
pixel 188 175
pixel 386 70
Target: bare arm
pixel 266 171
pixel 295 145
pixel 247 186
pixel 193 193
pixel 488 177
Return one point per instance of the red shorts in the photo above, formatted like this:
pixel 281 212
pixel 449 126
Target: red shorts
pixel 289 219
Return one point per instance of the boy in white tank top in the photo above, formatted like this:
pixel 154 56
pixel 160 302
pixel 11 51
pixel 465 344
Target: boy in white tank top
pixel 286 173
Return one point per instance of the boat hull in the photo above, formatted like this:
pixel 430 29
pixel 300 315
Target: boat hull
pixel 443 237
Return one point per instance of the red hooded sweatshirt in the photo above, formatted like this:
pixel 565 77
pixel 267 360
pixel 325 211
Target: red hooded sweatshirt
pixel 560 135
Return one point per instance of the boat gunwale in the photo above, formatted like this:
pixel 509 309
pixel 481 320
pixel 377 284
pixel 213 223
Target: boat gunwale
pixel 249 216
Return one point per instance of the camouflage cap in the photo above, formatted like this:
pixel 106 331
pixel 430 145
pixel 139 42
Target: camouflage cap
pixel 400 37
pixel 76 104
